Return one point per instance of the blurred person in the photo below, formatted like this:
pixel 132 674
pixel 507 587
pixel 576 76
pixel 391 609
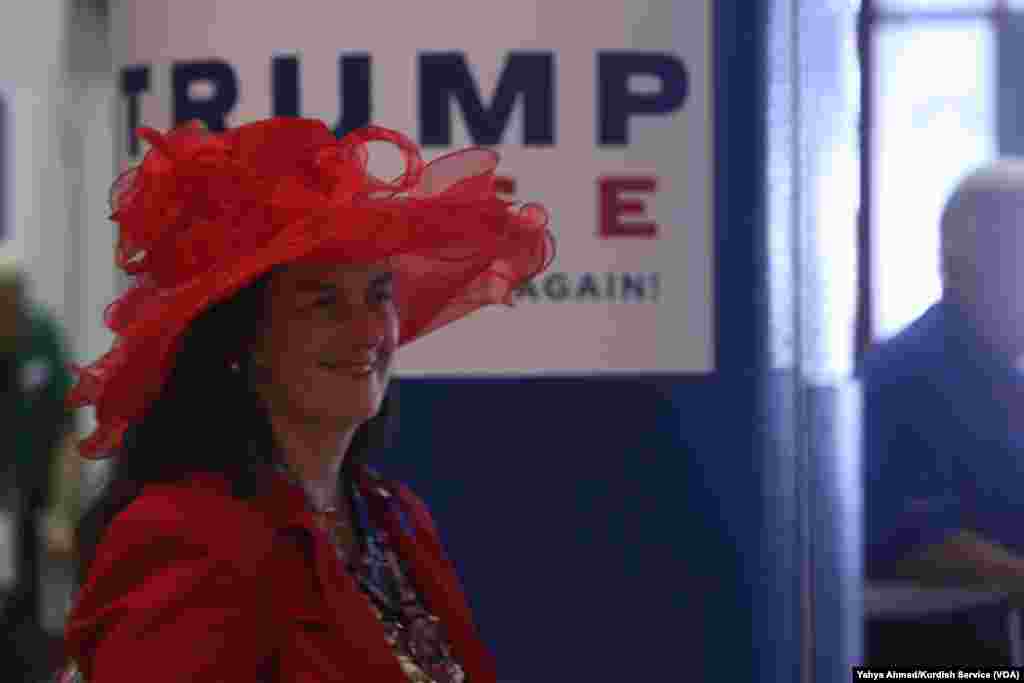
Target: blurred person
pixel 34 377
pixel 243 535
pixel 944 433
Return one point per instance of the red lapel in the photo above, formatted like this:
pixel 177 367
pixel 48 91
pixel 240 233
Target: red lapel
pixel 433 573
pixel 346 604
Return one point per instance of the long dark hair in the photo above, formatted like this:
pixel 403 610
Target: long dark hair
pixel 208 419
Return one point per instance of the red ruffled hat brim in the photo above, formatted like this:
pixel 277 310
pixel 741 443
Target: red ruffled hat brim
pixel 453 245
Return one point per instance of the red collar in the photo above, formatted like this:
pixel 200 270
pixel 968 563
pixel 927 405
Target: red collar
pixel 416 541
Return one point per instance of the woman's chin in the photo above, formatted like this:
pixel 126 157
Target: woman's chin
pixel 345 401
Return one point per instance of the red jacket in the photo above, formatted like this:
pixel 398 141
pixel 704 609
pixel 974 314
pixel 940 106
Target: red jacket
pixel 193 584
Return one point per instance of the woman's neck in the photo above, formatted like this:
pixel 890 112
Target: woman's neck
pixel 315 456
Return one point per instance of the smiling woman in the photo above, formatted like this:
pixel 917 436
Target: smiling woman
pixel 326 355
pixel 322 364
pixel 248 387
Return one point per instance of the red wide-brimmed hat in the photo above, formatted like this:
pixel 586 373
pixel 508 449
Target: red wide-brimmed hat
pixel 206 214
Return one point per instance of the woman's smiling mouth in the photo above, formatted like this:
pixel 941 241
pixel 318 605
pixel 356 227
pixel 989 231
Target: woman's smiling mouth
pixel 353 369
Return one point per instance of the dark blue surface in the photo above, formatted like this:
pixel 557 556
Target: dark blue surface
pixel 576 514
pixel 615 529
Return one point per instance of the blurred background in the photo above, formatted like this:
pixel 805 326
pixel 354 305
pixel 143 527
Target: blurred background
pixel 57 109
pixel 839 130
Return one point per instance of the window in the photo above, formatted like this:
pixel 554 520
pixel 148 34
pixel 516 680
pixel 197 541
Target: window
pixel 932 95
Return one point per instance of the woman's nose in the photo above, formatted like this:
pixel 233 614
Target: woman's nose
pixel 368 328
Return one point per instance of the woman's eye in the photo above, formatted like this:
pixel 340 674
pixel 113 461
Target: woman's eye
pixel 325 300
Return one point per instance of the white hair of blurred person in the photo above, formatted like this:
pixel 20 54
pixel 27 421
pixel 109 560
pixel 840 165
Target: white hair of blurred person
pixel 982 251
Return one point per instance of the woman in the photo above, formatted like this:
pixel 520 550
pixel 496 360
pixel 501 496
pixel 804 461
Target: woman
pixel 243 537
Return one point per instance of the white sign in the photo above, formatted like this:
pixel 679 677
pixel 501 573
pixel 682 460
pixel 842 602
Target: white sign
pixel 601 113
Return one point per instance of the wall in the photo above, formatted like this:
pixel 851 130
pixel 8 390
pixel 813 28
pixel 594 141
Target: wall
pixel 32 76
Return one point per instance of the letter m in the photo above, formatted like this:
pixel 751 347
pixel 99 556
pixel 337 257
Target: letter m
pixel 445 76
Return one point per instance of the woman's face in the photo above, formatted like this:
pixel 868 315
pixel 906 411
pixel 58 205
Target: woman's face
pixel 325 353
